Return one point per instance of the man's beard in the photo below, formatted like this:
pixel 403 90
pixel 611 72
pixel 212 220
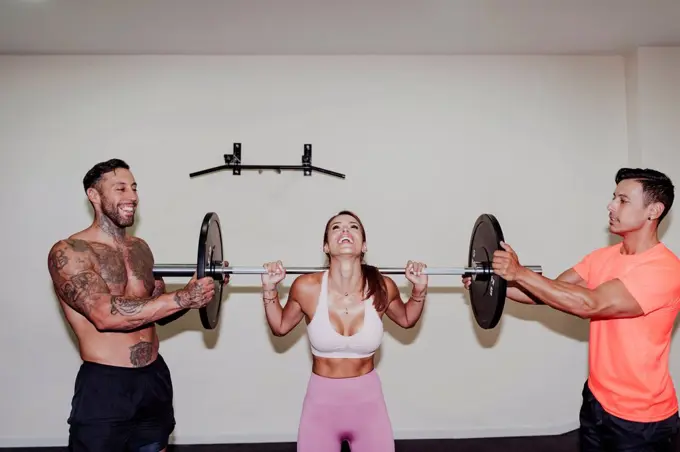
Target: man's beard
pixel 112 215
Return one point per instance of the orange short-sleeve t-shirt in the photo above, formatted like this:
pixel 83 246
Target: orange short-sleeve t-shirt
pixel 628 357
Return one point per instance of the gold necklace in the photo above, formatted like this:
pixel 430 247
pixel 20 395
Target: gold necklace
pixel 346 309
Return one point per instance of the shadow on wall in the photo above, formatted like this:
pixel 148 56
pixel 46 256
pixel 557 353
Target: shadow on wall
pixel 556 321
pixel 191 321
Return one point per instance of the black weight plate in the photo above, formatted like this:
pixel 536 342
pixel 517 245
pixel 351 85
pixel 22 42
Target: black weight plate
pixel 210 252
pixel 487 291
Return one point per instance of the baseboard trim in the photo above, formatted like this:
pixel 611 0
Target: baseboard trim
pixel 287 437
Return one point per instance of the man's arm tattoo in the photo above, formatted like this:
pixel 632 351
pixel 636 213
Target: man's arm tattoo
pixel 79 290
pixel 72 275
pixel 127 306
pixel 187 298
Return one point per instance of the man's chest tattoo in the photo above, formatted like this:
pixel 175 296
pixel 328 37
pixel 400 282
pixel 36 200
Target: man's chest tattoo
pixel 140 260
pixel 111 264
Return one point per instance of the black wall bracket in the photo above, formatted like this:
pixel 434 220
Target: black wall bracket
pixel 233 162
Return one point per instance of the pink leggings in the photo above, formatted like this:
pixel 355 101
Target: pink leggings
pixel 352 409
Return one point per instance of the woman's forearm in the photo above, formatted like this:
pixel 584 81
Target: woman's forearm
pixel 414 306
pixel 272 308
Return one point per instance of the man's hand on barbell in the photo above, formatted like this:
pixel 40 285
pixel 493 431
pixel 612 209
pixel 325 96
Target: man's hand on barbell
pixel 505 262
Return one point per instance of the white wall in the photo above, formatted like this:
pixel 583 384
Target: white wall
pixel 427 145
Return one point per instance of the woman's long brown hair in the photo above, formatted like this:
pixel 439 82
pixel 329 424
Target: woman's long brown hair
pixel 371 276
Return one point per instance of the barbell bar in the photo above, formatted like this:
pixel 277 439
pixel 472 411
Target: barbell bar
pixel 184 270
pixel 487 290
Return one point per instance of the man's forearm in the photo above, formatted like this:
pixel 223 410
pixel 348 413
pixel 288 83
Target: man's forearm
pixel 520 295
pixel 122 313
pixel 566 297
pixel 159 289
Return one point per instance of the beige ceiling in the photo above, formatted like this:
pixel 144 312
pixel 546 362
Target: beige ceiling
pixel 336 26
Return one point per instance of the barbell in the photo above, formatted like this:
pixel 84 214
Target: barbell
pixel 487 291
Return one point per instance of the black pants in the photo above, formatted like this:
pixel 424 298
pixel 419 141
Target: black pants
pixel 121 409
pixel 601 431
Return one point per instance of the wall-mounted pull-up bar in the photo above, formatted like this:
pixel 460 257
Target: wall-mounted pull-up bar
pixel 233 162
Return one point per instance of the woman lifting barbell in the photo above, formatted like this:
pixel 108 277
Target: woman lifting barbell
pixel 343 308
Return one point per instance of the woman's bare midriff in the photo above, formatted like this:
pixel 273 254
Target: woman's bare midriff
pixel 332 367
pixel 342 367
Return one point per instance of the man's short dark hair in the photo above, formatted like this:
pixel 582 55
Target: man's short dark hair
pixel 656 186
pixel 94 175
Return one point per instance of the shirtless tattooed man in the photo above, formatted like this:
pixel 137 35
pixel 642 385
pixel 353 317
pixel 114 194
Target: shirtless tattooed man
pixel 105 284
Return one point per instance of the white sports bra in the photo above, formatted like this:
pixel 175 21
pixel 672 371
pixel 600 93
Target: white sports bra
pixel 326 342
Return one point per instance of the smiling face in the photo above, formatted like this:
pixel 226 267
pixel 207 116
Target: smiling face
pixel 344 236
pixel 114 196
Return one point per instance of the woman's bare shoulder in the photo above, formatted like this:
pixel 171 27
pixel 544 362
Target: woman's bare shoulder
pixel 306 287
pixel 392 289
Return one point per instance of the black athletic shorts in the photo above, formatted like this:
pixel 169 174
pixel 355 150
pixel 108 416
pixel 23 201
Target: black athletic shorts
pixel 121 409
pixel 601 431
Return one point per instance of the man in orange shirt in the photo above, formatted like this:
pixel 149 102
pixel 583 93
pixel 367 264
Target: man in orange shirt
pixel 631 294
